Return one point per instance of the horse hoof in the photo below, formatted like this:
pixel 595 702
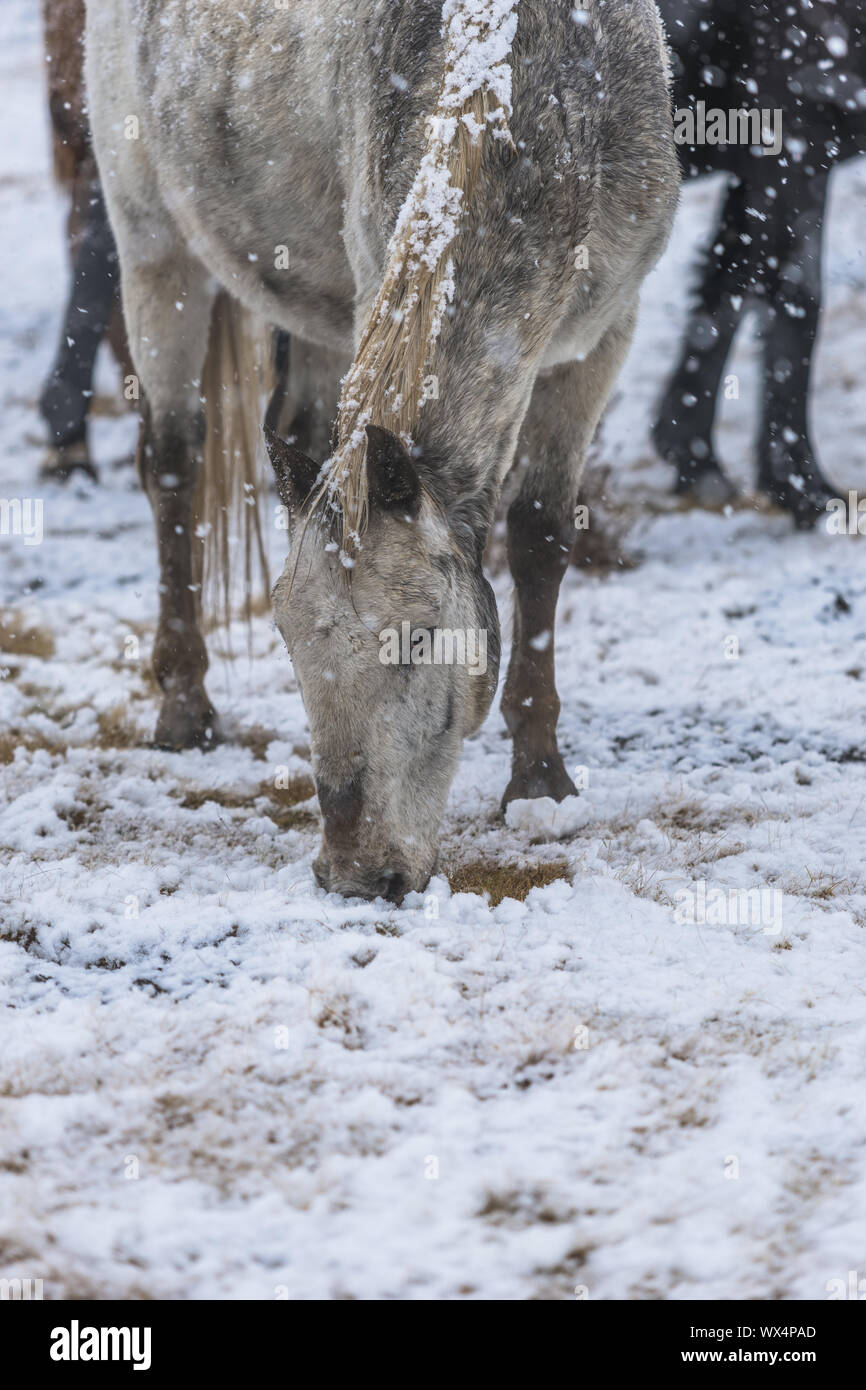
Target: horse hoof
pixel 542 779
pixel 184 724
pixel 805 498
pixel 62 460
pixel 709 487
pixel 698 476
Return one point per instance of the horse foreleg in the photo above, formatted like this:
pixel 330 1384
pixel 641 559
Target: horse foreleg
pixel 168 307
pixel 168 299
pixel 683 432
pixel 313 395
pixel 562 417
pixel 65 399
pixel 788 468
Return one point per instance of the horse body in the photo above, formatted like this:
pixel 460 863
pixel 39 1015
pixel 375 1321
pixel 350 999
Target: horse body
pixel 240 157
pixel 810 64
pixel 303 130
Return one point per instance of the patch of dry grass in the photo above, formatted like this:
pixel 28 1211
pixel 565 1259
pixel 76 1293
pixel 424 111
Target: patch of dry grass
pixel 30 740
pixel 19 637
pixel 116 729
pixel 693 815
pixel 259 739
pixel 282 802
pixel 297 789
pixel 522 1209
pixel 710 851
pixel 821 886
pixel 498 881
pixel 85 814
pixel 643 882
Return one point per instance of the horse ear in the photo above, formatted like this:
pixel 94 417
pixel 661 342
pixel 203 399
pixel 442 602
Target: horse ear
pixel 392 478
pixel 295 473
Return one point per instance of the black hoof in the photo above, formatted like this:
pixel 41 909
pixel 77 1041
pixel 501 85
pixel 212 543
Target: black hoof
pixel 545 778
pixel 62 460
pixel 187 723
pixel 698 478
pixel 709 487
pixel 804 497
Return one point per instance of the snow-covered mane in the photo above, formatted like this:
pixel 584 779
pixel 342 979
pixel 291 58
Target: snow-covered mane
pixel 384 385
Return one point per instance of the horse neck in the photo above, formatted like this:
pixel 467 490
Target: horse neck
pixel 468 436
pixel 482 367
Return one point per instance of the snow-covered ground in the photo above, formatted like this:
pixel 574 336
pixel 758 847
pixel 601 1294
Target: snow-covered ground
pixel 216 1081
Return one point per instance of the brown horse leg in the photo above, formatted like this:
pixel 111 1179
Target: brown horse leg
pixel 169 458
pixel 167 304
pixel 562 417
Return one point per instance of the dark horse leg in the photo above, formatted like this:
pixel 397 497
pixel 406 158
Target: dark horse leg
pixel 683 432
pixel 65 399
pixel 281 353
pixel 169 459
pixel 93 308
pixel 562 417
pixel 789 472
pixel 308 405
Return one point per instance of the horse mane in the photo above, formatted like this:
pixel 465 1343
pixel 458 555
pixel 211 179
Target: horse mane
pixel 385 383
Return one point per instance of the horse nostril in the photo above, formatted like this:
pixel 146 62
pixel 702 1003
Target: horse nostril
pixel 393 887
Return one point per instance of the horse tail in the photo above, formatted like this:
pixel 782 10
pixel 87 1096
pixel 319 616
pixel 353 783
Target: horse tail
pixel 233 482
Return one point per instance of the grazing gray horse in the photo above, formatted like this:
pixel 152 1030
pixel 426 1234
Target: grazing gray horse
pixel 457 203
